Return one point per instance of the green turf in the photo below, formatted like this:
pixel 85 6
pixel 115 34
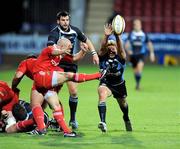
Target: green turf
pixel 154 112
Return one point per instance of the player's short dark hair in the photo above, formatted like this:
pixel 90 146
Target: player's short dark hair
pixel 19 112
pixel 62 14
pixel 31 56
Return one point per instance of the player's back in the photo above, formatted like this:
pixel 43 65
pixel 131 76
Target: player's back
pixel 30 64
pixel 46 61
pixel 5 91
pixel 26 67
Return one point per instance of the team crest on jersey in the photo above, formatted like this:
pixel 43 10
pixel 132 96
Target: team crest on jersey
pixel 55 60
pixel 42 73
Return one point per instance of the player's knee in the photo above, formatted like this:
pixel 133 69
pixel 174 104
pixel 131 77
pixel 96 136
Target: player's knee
pixel 102 97
pixel 69 75
pixel 73 92
pixel 101 100
pixel 102 94
pixel 122 102
pixel 56 107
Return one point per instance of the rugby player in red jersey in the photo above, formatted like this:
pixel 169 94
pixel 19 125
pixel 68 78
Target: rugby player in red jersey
pixel 7 99
pixel 47 75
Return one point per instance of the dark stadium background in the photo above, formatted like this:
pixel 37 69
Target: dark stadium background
pixel 35 18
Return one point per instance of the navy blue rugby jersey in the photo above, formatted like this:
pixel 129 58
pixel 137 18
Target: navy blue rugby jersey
pixel 116 67
pixel 138 41
pixel 72 34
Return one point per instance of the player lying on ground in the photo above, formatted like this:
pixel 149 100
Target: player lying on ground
pixel 22 119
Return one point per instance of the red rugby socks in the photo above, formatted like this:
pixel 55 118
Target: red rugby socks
pixel 38 115
pixel 82 77
pixel 58 115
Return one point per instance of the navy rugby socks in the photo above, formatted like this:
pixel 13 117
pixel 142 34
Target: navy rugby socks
pixel 73 101
pixel 125 111
pixel 102 111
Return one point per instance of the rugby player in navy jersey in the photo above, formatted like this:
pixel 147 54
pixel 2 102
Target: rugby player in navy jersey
pixel 112 58
pixel 136 49
pixel 65 30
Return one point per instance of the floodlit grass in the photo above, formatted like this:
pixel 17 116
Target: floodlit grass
pixel 154 112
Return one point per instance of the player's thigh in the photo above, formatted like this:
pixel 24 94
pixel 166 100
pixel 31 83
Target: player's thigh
pixel 103 92
pixel 63 77
pixel 52 99
pixel 140 65
pixel 36 98
pixel 122 101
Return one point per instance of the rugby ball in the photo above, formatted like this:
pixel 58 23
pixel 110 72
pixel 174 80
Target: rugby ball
pixel 118 24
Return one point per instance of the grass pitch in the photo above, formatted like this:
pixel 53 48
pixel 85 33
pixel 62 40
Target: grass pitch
pixel 154 112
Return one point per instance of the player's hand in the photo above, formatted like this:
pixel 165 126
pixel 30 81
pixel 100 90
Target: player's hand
pixel 95 59
pixel 107 29
pixel 68 52
pixel 4 114
pixel 84 47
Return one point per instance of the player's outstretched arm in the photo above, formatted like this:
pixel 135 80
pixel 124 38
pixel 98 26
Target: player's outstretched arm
pixel 107 33
pixel 93 51
pixel 120 50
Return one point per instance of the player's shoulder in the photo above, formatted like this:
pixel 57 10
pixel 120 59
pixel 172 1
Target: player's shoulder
pixel 30 60
pixel 76 29
pixel 45 50
pixel 49 49
pixel 54 30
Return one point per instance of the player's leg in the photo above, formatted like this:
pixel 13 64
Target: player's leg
pixel 120 93
pixel 73 102
pixel 20 126
pixel 38 113
pixel 103 93
pixel 124 108
pixel 138 73
pixel 62 77
pixel 52 98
